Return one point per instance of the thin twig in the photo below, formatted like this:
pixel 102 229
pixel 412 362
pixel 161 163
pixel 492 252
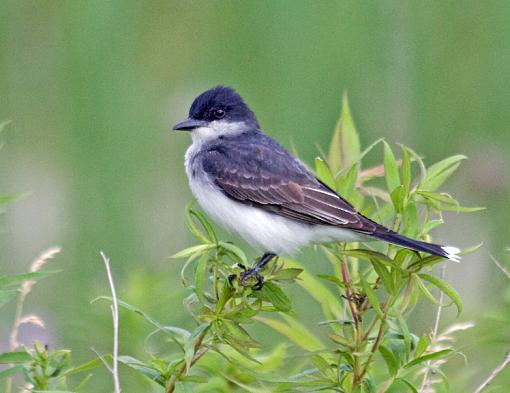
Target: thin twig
pixel 506 361
pixel 500 265
pixel 349 296
pixel 426 377
pixel 115 315
pixel 378 339
pixel 494 372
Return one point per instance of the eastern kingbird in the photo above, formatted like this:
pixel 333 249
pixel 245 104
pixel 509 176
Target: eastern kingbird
pixel 252 186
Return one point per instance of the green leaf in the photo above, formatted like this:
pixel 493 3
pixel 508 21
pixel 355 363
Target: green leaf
pixel 384 274
pixel 430 356
pixel 272 293
pixel 369 148
pixel 372 298
pixel 330 278
pixel 226 293
pixel 337 338
pixel 143 368
pixel 411 223
pixel 321 363
pixel 406 170
pixel 444 379
pixel 344 149
pixel 9 372
pixel 9 281
pixel 390 359
pixel 429 226
pixel 440 171
pixel 52 391
pixel 194 378
pixel 3 124
pixel 331 306
pixel 237 332
pixel 446 288
pixel 287 274
pixel 423 288
pixel 7 295
pixel 367 385
pixel 408 384
pixel 406 335
pixel 190 346
pixel 398 197
pixel 241 256
pixel 295 332
pixel 191 216
pixel 192 250
pixel 323 172
pixel 15 357
pixel 421 347
pixel 132 308
pixel 367 255
pixel 83 367
pixel 461 209
pixel 7 198
pixel 345 184
pixel 200 278
pixel 447 202
pixel 390 169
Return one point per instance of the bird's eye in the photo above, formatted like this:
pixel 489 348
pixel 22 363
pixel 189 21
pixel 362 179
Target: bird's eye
pixel 219 113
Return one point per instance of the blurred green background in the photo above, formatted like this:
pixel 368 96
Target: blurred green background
pixel 92 89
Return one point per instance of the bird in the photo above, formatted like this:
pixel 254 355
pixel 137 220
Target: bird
pixel 252 186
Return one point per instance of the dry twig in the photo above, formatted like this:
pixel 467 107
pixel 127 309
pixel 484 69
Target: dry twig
pixel 500 367
pixel 26 287
pixel 115 315
pixel 494 372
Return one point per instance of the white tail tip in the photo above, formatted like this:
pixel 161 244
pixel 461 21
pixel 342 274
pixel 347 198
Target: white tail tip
pixel 452 253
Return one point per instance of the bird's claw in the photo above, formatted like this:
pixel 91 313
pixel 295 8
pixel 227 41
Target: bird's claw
pixel 247 277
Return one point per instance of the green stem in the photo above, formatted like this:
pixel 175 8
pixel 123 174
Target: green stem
pixel 199 352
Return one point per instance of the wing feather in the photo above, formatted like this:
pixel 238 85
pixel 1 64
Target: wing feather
pixel 273 180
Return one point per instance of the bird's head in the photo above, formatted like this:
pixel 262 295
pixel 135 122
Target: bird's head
pixel 218 112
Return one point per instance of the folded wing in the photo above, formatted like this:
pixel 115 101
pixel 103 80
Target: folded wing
pixel 275 181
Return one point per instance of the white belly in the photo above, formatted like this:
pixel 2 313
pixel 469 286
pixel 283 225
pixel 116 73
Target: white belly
pixel 265 231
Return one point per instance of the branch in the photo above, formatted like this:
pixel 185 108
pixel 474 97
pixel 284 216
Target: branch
pixel 115 315
pixel 426 382
pixel 495 372
pixel 501 267
pixel 199 352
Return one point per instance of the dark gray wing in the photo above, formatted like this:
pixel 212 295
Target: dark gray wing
pixel 266 175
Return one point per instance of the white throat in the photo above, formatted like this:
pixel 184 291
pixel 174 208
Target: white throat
pixel 216 129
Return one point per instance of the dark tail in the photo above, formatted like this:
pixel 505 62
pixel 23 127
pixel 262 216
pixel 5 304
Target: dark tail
pixel 434 249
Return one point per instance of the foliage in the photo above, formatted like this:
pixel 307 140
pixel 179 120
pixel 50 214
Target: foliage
pixel 366 297
pixel 43 370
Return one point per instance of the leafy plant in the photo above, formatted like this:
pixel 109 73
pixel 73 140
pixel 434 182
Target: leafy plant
pixel 43 370
pixel 367 297
pixel 362 343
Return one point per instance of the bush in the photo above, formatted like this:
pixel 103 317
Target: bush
pixel 367 298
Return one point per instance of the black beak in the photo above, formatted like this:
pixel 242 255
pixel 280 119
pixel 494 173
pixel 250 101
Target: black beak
pixel 189 124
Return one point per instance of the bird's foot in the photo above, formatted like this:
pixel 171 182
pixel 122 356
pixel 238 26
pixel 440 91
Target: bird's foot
pixel 248 277
pixel 252 277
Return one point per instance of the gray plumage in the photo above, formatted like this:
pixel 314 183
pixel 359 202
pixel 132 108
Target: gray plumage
pixel 279 204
